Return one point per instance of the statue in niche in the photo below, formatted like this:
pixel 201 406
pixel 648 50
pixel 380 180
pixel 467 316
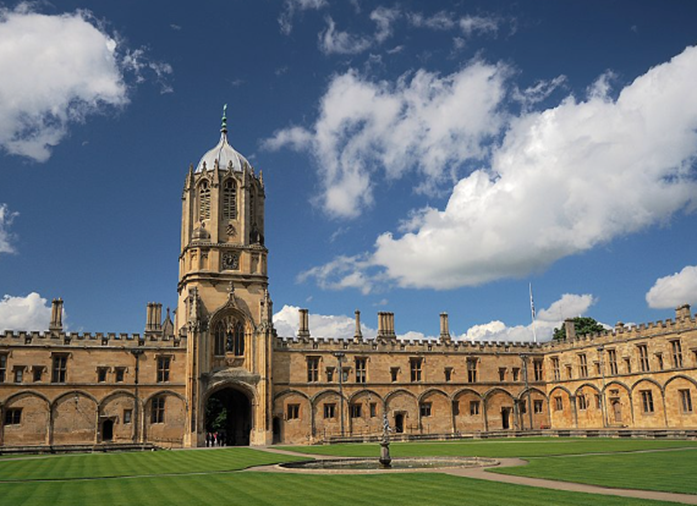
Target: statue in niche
pixel 256 237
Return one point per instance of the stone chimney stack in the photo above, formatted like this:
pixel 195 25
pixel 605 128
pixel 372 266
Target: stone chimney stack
pixel 444 328
pixel 358 336
pixel 303 323
pixel 682 312
pixel 153 318
pixel 386 325
pixel 56 324
pixel 570 329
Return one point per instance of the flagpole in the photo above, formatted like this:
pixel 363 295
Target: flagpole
pixel 532 314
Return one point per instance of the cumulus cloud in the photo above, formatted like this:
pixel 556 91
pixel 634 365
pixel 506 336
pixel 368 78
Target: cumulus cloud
pixel 674 290
pixel 6 218
pixel 562 181
pixel 343 327
pixel 290 7
pixel 32 312
pixel 568 306
pixel 424 122
pixel 81 71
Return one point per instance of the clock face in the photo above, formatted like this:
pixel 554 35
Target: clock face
pixel 230 261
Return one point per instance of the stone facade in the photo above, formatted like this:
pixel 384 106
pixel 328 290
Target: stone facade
pixel 60 388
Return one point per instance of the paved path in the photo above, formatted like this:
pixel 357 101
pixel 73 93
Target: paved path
pixel 480 473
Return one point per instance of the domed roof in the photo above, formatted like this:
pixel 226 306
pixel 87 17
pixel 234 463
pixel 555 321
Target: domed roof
pixel 223 153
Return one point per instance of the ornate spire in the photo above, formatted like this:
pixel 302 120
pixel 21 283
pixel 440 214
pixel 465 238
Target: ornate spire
pixel 223 125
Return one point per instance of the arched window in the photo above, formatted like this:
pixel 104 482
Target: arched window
pixel 230 200
pixel 219 348
pixel 204 201
pixel 229 337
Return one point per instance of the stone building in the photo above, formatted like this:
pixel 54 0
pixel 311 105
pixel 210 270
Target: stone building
pixel 160 387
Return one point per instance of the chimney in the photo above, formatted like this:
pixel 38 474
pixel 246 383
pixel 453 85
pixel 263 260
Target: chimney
pixel 358 336
pixel 570 329
pixel 386 325
pixel 682 312
pixel 56 324
pixel 444 328
pixel 304 323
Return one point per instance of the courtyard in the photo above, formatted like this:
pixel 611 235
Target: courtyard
pixel 248 476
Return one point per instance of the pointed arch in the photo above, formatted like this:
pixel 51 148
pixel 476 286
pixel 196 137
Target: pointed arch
pixel 230 199
pixel 203 196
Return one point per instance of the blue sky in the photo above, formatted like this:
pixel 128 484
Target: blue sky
pixel 419 157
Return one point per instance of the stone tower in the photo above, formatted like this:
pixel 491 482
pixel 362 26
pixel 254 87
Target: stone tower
pixel 224 308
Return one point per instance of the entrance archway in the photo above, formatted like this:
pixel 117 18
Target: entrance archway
pixel 229 416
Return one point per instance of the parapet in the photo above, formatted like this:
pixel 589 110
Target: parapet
pixel 87 340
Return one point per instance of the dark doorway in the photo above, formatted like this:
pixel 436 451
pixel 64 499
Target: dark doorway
pixel 399 422
pixel 107 430
pixel 229 417
pixel 506 418
pixel 276 430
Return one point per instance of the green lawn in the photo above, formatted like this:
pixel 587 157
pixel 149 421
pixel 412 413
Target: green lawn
pixel 136 463
pixel 672 471
pixel 537 447
pixel 253 488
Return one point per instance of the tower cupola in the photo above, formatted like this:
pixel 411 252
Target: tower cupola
pixel 223 153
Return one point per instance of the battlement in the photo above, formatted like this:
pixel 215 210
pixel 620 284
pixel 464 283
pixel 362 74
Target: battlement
pixel 88 339
pixel 306 343
pixel 684 321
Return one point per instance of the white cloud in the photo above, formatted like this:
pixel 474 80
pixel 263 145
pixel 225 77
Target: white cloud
pixel 343 327
pixel 56 70
pixel 424 122
pixel 290 7
pixel 32 312
pixel 334 41
pixel 563 180
pixel 568 306
pixel 478 24
pixel 442 20
pixel 674 290
pixel 6 218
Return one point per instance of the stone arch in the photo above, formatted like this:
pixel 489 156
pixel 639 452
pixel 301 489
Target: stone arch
pixel 365 412
pixel 499 409
pixel 562 414
pixel 402 407
pixel 435 412
pixel 121 409
pixel 293 411
pixel 468 407
pixel 648 403
pixel 680 396
pixel 589 406
pixel 230 331
pixel 533 409
pixel 35 419
pixel 167 429
pixel 619 405
pixel 74 418
pixel 327 409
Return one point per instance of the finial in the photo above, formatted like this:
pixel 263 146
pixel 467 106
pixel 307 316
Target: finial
pixel 223 126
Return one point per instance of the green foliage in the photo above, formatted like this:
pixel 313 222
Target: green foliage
pixel 216 415
pixel 582 324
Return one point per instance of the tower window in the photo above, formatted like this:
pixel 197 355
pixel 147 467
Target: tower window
pixel 204 201
pixel 230 200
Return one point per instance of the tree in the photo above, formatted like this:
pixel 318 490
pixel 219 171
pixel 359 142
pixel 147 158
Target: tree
pixel 582 324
